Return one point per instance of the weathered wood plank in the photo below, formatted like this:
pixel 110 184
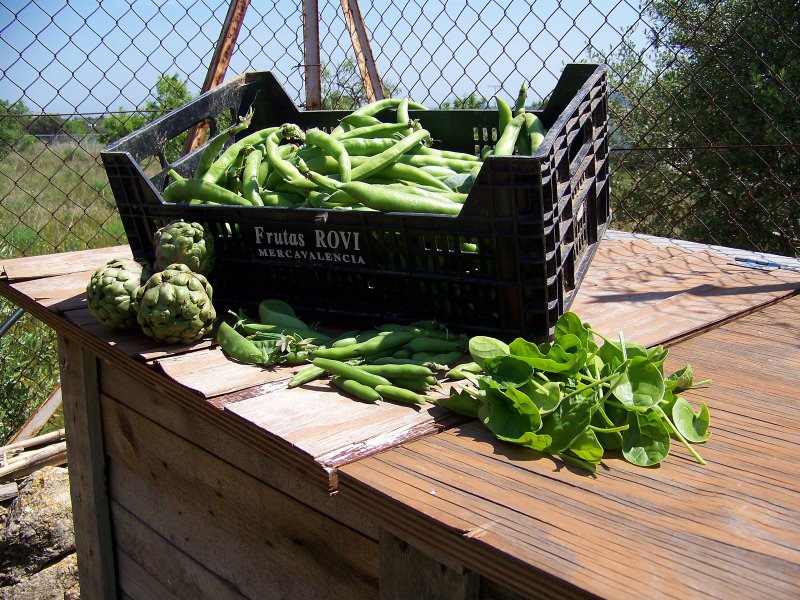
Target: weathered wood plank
pixel 49 265
pixel 333 427
pixel 264 543
pixel 132 342
pixel 156 564
pixel 408 573
pixel 533 523
pixel 237 442
pixel 655 293
pixel 58 293
pixel 86 458
pixel 137 584
pixel 210 373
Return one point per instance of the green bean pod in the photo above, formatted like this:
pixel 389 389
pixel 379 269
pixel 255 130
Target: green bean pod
pixel 250 185
pixel 403 371
pixel 535 130
pixel 237 346
pixel 336 367
pixel 522 96
pixel 390 155
pixel 356 389
pixel 411 174
pixel 305 375
pixel 379 105
pixel 504 114
pixel 367 146
pixel 287 199
pixel 204 191
pixel 459 371
pixel 215 172
pixel 386 199
pixel 214 146
pixel 409 383
pixel 345 352
pixel 441 358
pixel 447 153
pixel 393 392
pixel 355 120
pixel 422 160
pixel 282 167
pixel 381 130
pixel 434 345
pixel 332 146
pixel 508 139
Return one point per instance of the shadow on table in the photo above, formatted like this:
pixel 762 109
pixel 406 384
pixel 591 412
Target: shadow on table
pixel 513 453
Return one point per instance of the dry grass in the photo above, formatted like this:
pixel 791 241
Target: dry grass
pixel 55 199
pixel 52 199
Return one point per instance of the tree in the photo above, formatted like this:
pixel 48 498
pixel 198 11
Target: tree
pixel 708 123
pixel 13 125
pixel 171 93
pixel 343 89
pixel 473 100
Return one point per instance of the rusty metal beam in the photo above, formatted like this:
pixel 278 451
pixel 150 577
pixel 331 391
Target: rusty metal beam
pixel 363 51
pixel 219 64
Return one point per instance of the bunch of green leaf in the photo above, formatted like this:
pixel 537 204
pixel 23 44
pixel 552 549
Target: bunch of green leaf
pixel 575 399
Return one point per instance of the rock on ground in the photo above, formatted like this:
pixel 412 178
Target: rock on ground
pixel 37 541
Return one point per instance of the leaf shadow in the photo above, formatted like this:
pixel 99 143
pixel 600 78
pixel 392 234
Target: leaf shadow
pixel 514 453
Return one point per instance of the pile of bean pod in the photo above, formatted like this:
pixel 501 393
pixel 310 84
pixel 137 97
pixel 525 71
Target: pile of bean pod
pixel 391 362
pixel 364 163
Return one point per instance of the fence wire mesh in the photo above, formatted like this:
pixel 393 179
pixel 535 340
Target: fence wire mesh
pixel 705 96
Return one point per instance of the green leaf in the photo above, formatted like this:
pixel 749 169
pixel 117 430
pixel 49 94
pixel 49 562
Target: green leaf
pixel 546 396
pixel 508 371
pixel 587 447
pixel 611 352
pixel 609 441
pixel 461 402
pixel 279 306
pixel 646 441
pixel 557 360
pixel 681 380
pixel 570 324
pixel 692 425
pixel 668 401
pixel 570 343
pixel 511 419
pixel 657 355
pixel 567 422
pixel 482 347
pixel 641 385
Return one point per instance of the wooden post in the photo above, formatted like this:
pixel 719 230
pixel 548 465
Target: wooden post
pixel 363 51
pixel 87 470
pixel 219 65
pixel 313 64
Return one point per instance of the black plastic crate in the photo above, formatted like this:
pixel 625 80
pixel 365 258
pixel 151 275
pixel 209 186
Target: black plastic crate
pixel 535 220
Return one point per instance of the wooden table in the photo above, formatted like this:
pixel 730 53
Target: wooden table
pixel 195 477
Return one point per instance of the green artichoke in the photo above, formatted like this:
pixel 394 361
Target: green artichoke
pixel 175 306
pixel 186 243
pixel 112 292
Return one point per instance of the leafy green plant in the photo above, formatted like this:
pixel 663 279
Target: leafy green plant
pixel 28 369
pixel 575 398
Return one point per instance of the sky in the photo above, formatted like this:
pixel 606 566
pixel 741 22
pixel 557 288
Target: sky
pixel 84 56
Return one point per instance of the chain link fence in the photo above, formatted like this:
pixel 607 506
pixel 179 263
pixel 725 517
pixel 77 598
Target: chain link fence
pixel 705 97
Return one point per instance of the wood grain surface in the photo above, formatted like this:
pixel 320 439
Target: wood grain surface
pixel 653 290
pixel 730 529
